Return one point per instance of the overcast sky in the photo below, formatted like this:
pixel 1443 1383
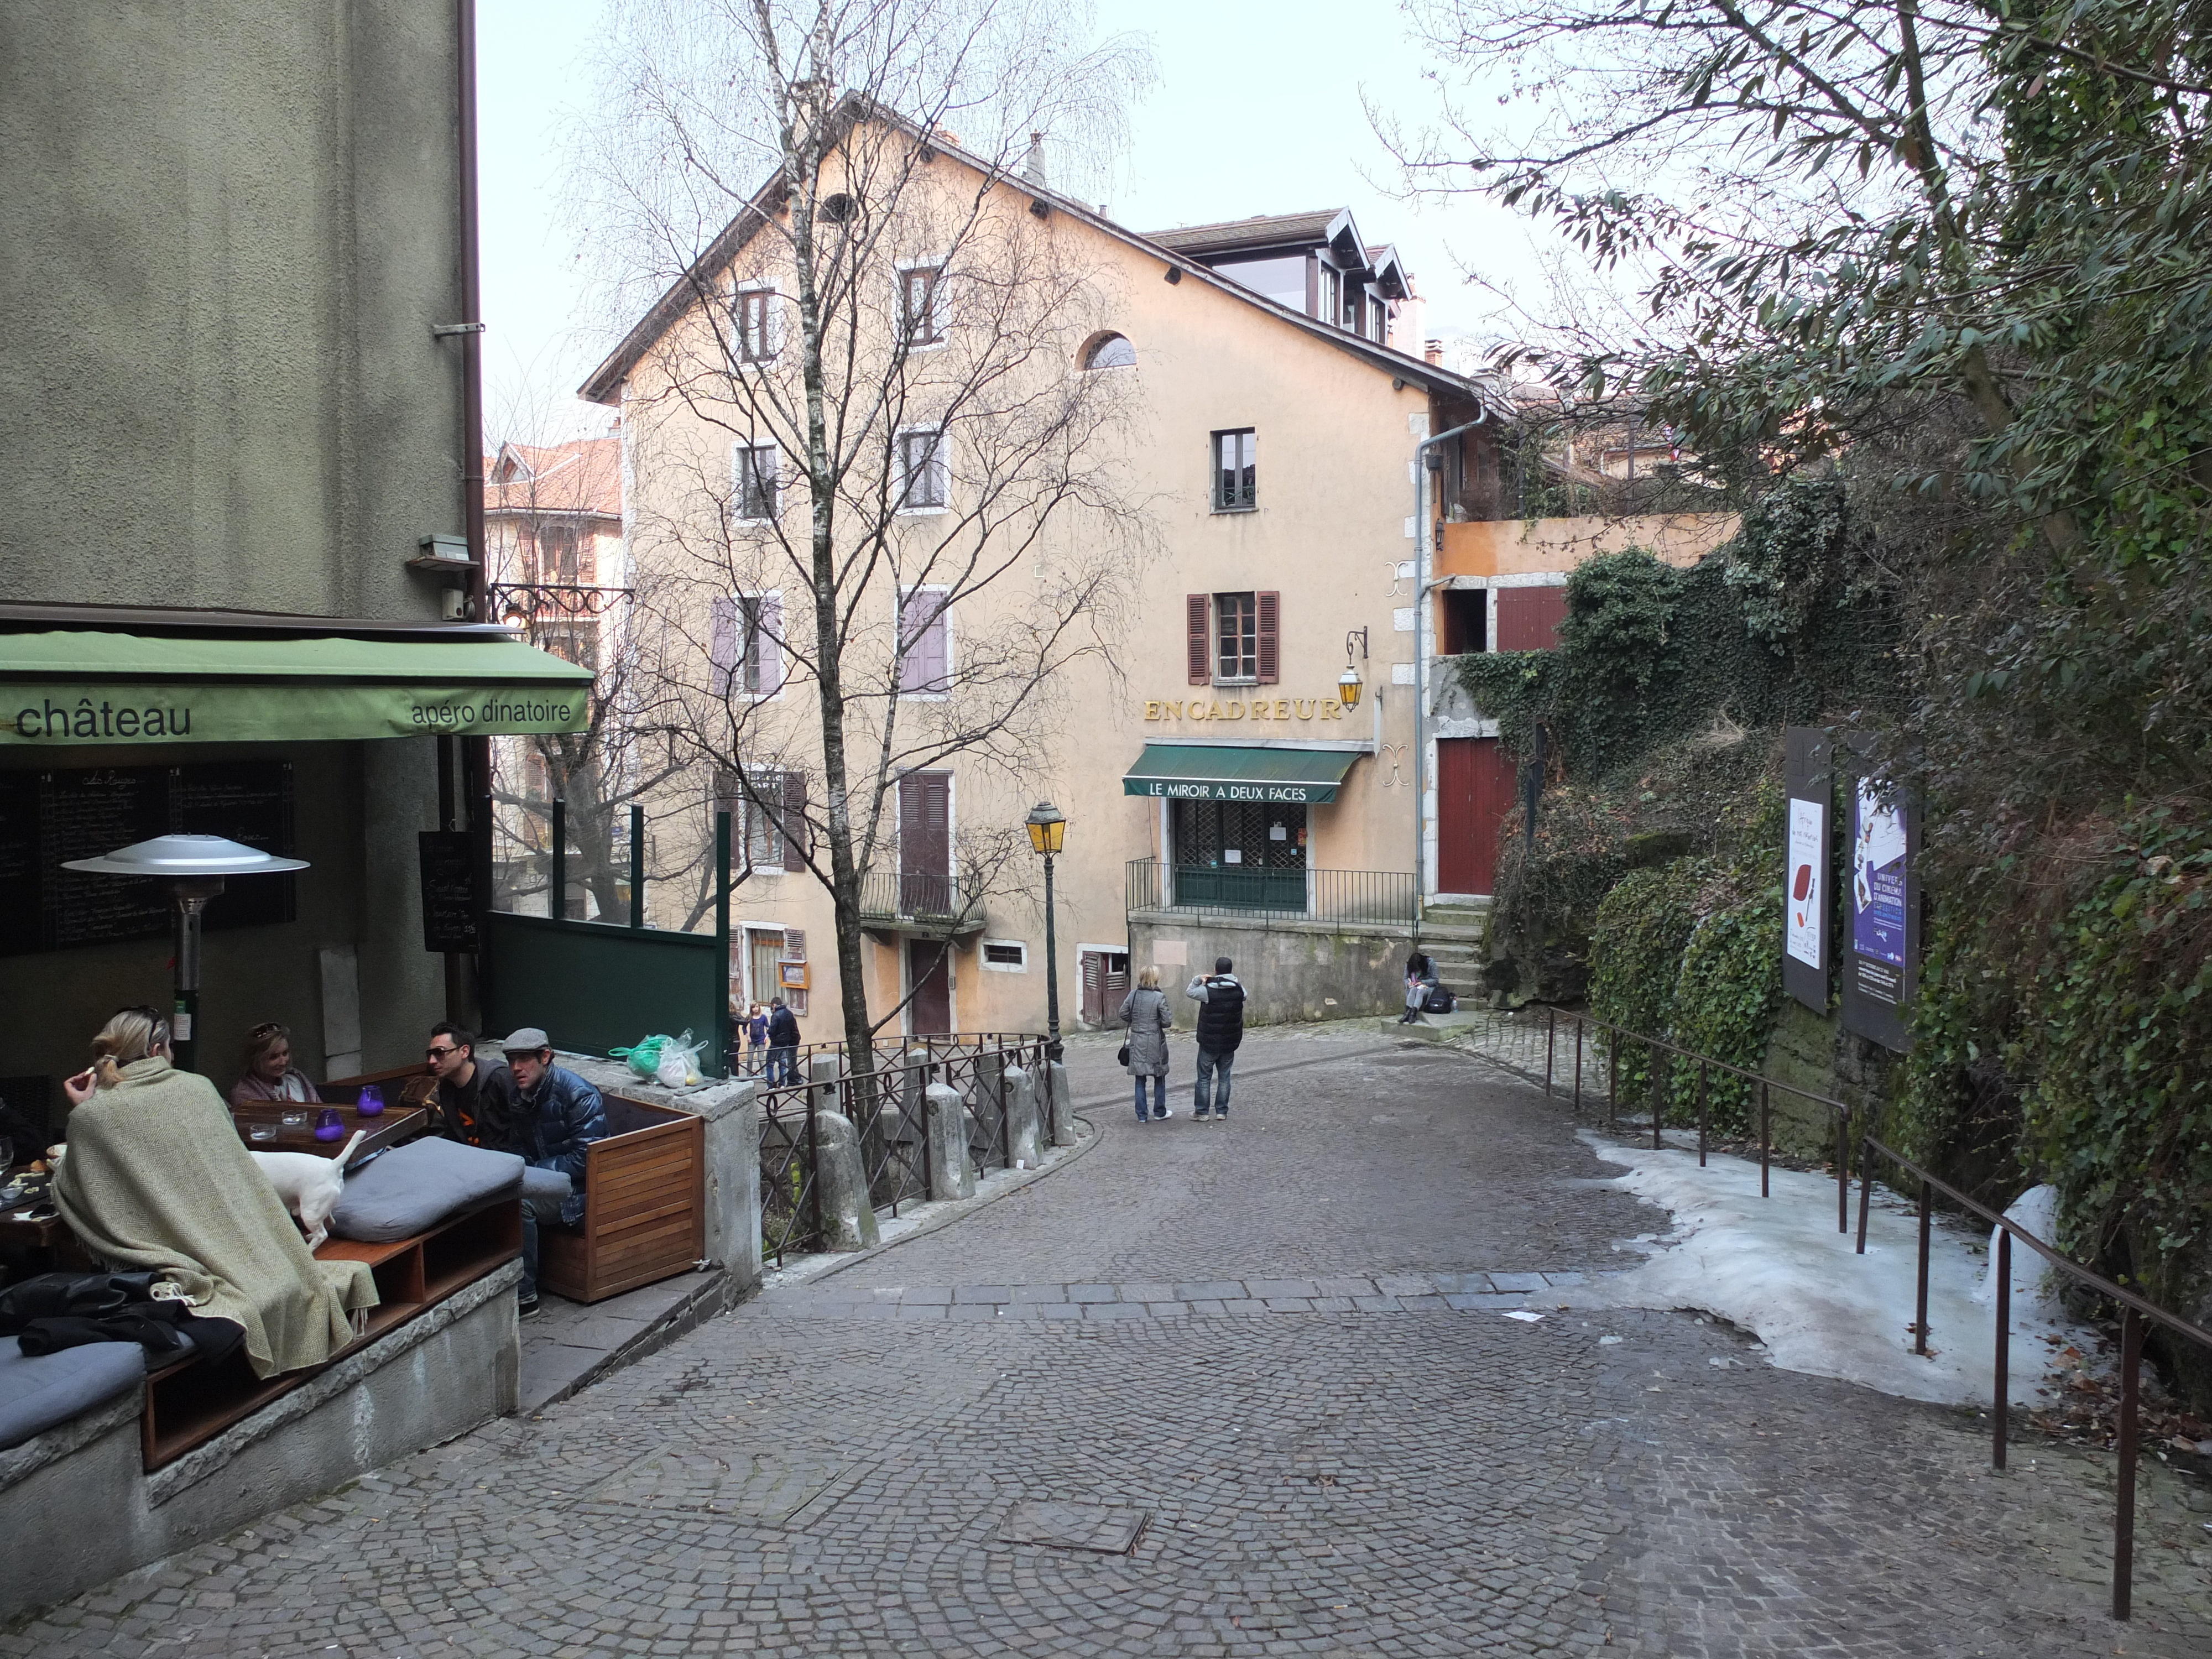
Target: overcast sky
pixel 1257 110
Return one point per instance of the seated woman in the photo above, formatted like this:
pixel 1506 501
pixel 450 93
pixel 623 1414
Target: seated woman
pixel 270 1073
pixel 156 1178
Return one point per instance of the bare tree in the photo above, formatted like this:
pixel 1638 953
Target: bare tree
pixel 888 509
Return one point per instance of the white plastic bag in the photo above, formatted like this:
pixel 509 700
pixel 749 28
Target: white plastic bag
pixel 680 1063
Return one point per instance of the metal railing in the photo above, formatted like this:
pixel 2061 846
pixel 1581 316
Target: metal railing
pixel 888 1107
pixel 1384 897
pixel 1535 1046
pixel 933 901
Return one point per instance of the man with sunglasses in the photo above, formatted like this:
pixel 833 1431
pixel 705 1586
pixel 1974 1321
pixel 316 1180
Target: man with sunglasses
pixel 477 1100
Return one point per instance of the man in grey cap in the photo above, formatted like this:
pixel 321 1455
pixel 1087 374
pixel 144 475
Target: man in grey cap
pixel 558 1114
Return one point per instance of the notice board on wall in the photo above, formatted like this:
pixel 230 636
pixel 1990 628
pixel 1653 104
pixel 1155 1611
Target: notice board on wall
pixel 48 818
pixel 1809 899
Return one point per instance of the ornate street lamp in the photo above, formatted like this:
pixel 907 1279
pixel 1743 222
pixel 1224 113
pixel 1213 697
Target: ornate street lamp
pixel 1048 828
pixel 1349 685
pixel 194 866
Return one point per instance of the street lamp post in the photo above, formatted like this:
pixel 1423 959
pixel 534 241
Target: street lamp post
pixel 194 867
pixel 1048 828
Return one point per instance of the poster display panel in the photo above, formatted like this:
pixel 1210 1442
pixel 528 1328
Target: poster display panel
pixel 1809 901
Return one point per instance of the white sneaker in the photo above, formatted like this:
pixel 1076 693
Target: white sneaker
pixel 1164 1111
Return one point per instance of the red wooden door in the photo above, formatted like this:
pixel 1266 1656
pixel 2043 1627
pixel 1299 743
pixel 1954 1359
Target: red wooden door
pixel 1474 791
pixel 930 1013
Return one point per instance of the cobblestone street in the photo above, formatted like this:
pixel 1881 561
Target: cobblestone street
pixel 1278 1341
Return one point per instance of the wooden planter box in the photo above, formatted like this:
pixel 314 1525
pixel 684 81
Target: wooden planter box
pixel 645 1215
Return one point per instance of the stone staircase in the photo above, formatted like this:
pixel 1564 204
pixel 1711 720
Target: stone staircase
pixel 1452 935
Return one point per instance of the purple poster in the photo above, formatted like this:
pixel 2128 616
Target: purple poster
pixel 1878 849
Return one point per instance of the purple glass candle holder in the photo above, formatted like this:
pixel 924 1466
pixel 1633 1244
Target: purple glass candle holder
pixel 371 1103
pixel 328 1125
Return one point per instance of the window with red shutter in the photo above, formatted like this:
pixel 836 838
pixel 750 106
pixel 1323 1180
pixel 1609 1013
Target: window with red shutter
pixel 1270 652
pixel 1528 618
pixel 1199 646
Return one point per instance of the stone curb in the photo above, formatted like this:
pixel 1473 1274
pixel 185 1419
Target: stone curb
pixel 719 1294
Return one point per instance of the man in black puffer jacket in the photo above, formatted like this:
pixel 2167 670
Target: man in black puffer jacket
pixel 1220 1029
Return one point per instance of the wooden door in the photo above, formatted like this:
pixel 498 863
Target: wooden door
pixel 1105 984
pixel 928 966
pixel 1474 791
pixel 926 844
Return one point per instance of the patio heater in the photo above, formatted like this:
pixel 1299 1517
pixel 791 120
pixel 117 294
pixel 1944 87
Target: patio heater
pixel 1047 828
pixel 194 866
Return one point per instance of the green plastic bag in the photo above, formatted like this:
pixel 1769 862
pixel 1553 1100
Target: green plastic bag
pixel 645 1058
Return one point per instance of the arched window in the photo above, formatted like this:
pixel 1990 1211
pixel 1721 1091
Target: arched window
pixel 1110 351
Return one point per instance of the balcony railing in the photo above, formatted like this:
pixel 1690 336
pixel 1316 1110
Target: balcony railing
pixel 935 903
pixel 1371 896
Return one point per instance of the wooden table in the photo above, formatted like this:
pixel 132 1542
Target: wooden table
pixel 394 1124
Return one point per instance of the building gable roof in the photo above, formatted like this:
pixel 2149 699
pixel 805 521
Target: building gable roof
pixel 605 383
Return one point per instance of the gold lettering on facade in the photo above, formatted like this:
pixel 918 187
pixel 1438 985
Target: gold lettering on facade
pixel 1213 713
pixel 1282 709
pixel 1305 708
pixel 1331 709
pixel 1152 709
pixel 1259 708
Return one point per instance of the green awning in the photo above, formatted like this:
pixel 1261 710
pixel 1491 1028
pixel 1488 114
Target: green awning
pixel 113 688
pixel 1200 772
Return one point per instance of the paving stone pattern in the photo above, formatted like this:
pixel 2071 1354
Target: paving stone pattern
pixel 834 1469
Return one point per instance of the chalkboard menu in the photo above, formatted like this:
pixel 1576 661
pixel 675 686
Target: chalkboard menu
pixel 48 817
pixel 449 890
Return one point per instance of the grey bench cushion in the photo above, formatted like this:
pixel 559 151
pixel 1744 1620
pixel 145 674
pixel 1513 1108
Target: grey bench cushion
pixel 38 1391
pixel 543 1184
pixel 411 1188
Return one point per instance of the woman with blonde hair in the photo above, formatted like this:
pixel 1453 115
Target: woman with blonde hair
pixel 270 1073
pixel 1145 1010
pixel 156 1179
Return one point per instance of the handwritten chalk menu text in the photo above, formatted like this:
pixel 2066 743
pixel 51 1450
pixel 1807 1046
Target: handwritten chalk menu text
pixel 48 818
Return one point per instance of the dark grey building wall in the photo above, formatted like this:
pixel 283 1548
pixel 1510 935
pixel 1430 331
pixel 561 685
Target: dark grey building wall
pixel 230 224
pixel 229 227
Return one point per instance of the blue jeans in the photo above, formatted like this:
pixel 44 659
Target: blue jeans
pixel 783 1064
pixel 1159 1096
pixel 1209 1066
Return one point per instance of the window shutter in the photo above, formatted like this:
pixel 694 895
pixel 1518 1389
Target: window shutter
pixel 722 646
pixel 772 324
pixel 1270 655
pixel 935 669
pixel 1194 625
pixel 771 647
pixel 796 833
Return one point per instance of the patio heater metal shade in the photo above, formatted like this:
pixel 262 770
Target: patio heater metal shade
pixel 194 866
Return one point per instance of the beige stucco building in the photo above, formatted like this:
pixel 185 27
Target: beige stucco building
pixel 1257 470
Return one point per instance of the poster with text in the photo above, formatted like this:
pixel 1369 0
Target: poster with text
pixel 1878 848
pixel 1809 887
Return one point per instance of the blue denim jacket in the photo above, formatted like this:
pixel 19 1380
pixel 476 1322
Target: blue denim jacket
pixel 562 1116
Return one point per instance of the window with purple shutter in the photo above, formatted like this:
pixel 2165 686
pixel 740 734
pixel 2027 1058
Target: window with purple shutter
pixel 925 643
pixel 721 645
pixel 763 644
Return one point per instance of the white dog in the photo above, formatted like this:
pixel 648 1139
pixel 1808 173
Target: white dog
pixel 310 1184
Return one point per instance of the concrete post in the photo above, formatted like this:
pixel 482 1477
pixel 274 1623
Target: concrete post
pixel 951 1174
pixel 733 1116
pixel 1062 1116
pixel 1022 1139
pixel 848 1212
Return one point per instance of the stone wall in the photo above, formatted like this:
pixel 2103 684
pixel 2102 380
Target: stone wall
pixel 77 1506
pixel 1291 969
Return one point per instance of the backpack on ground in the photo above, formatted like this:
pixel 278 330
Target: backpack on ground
pixel 1440 1000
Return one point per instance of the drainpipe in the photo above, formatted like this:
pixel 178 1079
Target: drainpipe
pixel 476 763
pixel 1424 556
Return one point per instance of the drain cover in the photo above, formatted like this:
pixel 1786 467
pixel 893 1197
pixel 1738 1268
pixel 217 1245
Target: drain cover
pixel 1075 1527
pixel 760 1486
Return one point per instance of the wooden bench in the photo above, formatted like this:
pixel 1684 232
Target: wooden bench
pixel 645 1214
pixel 189 1403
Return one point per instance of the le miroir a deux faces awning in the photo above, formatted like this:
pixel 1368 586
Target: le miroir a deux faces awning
pixel 83 687
pixel 1273 774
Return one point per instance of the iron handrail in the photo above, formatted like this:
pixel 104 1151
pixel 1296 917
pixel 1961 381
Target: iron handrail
pixel 1385 897
pixel 2135 1309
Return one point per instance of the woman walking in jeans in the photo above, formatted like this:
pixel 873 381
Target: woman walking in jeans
pixel 1145 1012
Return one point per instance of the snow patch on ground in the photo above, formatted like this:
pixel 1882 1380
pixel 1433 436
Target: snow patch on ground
pixel 1777 1267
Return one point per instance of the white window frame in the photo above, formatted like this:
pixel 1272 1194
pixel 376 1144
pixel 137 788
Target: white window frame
pixel 939 594
pixel 983 948
pixel 782 661
pixel 738 452
pixel 939 333
pixel 771 324
pixel 940 465
pixel 749 806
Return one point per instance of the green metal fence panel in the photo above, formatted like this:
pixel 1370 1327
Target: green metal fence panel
pixel 594 986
